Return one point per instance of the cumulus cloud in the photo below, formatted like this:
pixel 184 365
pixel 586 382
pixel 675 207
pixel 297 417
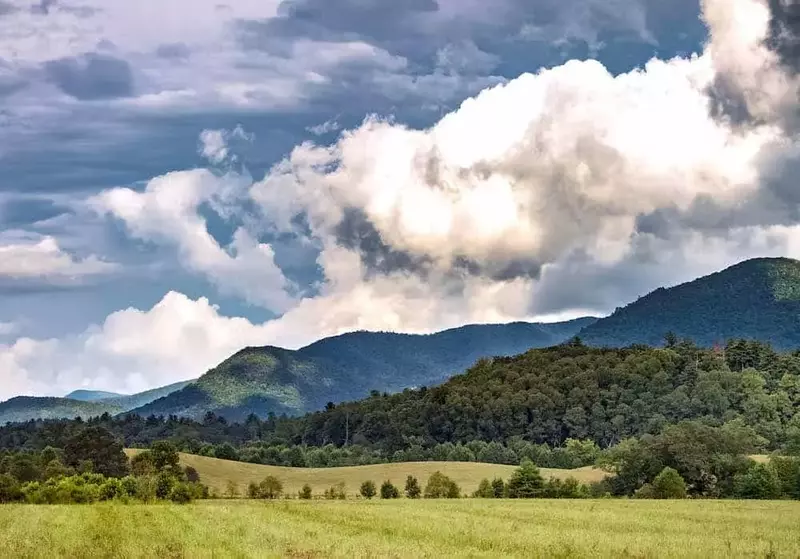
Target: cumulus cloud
pixel 167 211
pixel 561 192
pixel 215 145
pixel 25 258
pixel 132 350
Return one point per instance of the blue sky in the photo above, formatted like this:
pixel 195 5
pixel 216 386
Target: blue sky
pixel 182 178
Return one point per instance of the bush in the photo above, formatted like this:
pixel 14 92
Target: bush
pixel 232 490
pixel 413 490
pixel 440 486
pixel 389 491
pixel 758 482
pixel 485 490
pixel 368 490
pixel 181 493
pixel 669 485
pixel 10 490
pixel 305 492
pixel 164 483
pixel 498 488
pixel 191 474
pixel 337 491
pixel 526 482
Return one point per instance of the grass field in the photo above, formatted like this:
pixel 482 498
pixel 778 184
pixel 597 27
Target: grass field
pixel 405 528
pixel 216 473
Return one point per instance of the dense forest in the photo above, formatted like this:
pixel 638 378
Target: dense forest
pixel 757 299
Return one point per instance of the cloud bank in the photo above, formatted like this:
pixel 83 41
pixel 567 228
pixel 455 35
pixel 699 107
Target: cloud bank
pixel 555 194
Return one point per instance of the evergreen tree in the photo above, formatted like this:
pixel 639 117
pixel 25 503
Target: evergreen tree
pixel 526 482
pixel 413 490
pixel 389 491
pixel 669 484
pixel 368 489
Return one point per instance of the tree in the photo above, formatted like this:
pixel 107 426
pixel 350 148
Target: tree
pixel 389 491
pixel 485 490
pixel 98 445
pixel 368 489
pixel 181 493
pixel 758 482
pixel 142 464
pixel 413 490
pixel 192 476
pixel 165 456
pixel 526 482
pixel 305 492
pixel 338 491
pixel 498 488
pixel 669 485
pixel 10 490
pixel 232 490
pixel 270 488
pixel 226 451
pixel 440 486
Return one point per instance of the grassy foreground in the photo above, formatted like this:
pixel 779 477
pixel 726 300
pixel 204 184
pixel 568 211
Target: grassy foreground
pixel 405 528
pixel 216 473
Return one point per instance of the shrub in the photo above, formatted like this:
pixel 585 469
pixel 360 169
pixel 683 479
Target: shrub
pixel 10 490
pixel 389 491
pixel 758 482
pixel 337 491
pixel 164 483
pixel 669 485
pixel 181 493
pixel 271 488
pixel 232 490
pixel 498 488
pixel 440 486
pixel 413 490
pixel 191 474
pixel 526 482
pixel 485 490
pixel 305 492
pixel 368 490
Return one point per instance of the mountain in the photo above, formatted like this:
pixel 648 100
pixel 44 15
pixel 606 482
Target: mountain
pixel 25 408
pixel 80 403
pixel 271 379
pixel 757 299
pixel 91 395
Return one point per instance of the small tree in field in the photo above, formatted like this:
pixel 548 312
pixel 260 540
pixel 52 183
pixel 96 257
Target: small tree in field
pixel 389 491
pixel 413 490
pixel 526 482
pixel 232 490
pixel 440 486
pixel 368 489
pixel 499 488
pixel 305 492
pixel 270 488
pixel 669 485
pixel 484 490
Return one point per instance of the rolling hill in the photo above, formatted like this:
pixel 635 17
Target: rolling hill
pixel 217 473
pixel 81 403
pixel 260 380
pixel 757 299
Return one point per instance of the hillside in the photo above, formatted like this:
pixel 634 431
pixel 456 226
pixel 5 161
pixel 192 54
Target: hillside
pixel 217 473
pixel 91 395
pixel 81 403
pixel 271 379
pixel 757 299
pixel 25 408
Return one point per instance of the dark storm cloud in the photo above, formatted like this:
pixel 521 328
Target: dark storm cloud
pixel 92 76
pixel 784 32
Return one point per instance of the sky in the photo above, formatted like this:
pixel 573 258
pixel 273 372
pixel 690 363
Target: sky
pixel 180 178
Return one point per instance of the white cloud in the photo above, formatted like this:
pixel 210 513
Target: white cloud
pixel 215 145
pixel 41 258
pixel 132 350
pixel 167 211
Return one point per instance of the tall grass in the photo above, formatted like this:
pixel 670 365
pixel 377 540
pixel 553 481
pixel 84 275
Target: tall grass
pixel 405 528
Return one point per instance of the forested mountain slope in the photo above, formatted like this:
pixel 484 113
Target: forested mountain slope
pixel 349 366
pixel 757 299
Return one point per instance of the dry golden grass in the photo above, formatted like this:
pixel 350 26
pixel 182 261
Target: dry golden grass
pixel 217 473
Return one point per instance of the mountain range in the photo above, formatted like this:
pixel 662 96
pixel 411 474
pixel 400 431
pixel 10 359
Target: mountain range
pixel 757 299
pixel 80 403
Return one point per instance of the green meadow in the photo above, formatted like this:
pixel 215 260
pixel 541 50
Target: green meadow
pixel 406 528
